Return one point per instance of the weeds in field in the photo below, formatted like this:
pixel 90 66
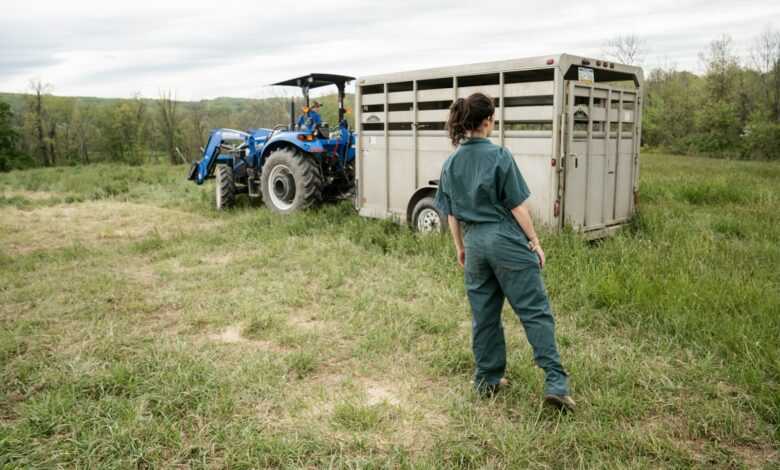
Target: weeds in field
pixel 178 335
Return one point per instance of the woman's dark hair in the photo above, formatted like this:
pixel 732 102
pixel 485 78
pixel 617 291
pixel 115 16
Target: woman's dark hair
pixel 468 114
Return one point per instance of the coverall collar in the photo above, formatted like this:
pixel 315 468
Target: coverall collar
pixel 475 140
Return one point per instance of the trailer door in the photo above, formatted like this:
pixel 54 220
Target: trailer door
pixel 600 143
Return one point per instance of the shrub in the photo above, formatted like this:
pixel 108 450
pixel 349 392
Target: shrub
pixel 718 130
pixel 15 161
pixel 761 140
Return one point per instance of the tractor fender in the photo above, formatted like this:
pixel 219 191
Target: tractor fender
pixel 422 192
pixel 289 141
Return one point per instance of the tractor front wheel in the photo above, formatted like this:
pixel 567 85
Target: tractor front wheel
pixel 291 181
pixel 226 187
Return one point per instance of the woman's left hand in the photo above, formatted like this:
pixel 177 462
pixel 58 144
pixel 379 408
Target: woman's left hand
pixel 462 258
pixel 537 248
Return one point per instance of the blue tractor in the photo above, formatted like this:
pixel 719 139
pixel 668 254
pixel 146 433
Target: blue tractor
pixel 291 167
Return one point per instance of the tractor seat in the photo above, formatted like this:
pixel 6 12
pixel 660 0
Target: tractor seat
pixel 323 131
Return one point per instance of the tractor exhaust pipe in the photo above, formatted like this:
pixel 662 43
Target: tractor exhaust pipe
pixel 292 114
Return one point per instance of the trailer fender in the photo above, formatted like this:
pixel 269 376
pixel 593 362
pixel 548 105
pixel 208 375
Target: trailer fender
pixel 425 191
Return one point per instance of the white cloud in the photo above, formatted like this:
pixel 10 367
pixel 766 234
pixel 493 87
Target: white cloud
pixel 228 48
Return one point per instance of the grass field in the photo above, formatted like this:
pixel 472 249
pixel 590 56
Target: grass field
pixel 140 328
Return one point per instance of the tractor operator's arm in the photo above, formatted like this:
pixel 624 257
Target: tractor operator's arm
pixel 316 119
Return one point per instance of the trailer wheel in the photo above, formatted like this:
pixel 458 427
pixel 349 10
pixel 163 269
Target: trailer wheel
pixel 225 187
pixel 291 181
pixel 426 218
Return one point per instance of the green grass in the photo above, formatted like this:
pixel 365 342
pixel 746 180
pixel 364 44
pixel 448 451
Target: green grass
pixel 139 327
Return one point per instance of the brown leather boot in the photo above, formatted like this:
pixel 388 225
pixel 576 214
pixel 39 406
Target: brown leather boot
pixel 561 402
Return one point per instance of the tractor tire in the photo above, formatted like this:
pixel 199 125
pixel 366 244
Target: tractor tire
pixel 426 217
pixel 225 188
pixel 291 181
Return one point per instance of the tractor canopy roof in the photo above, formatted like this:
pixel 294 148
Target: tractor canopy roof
pixel 316 80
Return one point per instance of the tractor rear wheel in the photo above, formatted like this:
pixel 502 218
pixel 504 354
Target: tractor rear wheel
pixel 226 187
pixel 291 181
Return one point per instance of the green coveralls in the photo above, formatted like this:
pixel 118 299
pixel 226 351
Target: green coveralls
pixel 479 185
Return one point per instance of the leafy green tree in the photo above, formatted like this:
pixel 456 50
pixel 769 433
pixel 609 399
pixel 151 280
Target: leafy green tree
pixel 722 67
pixel 10 157
pixel 124 135
pixel 671 101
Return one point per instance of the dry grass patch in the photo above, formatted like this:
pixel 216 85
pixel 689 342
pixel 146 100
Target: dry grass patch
pixel 233 335
pixel 35 196
pixel 91 223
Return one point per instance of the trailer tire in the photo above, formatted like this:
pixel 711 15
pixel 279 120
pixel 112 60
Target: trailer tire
pixel 426 217
pixel 291 181
pixel 225 188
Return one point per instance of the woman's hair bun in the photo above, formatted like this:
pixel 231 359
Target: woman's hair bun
pixel 467 114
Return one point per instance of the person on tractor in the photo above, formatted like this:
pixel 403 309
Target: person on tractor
pixel 311 119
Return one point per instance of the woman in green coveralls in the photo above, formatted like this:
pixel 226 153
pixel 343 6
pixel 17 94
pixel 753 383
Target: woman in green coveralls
pixel 482 188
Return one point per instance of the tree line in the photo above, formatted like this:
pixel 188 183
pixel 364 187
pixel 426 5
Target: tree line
pixel 38 129
pixel 732 110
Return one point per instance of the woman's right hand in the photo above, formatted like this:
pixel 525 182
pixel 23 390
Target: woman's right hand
pixel 462 258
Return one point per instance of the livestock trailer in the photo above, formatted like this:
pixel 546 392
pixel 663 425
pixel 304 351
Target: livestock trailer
pixel 573 125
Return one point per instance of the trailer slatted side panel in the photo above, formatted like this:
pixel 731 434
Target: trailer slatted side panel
pixel 575 142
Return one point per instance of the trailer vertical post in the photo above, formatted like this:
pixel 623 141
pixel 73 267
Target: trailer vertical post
pixel 387 151
pixel 415 167
pixel 588 153
pixel 501 103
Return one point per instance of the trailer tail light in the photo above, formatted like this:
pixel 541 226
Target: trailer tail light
pixel 557 208
pixel 550 61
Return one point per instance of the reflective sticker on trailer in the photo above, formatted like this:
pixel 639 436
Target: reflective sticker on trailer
pixel 585 75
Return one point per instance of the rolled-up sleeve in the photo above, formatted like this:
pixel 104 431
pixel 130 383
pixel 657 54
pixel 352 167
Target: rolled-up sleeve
pixel 442 198
pixel 513 190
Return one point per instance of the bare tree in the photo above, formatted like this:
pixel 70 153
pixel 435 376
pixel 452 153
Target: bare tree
pixel 765 56
pixel 196 129
pixel 39 89
pixel 170 123
pixel 626 49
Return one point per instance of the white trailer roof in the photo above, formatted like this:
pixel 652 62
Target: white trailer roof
pixel 607 68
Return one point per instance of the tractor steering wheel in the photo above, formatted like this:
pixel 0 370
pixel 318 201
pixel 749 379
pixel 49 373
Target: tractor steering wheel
pixel 276 128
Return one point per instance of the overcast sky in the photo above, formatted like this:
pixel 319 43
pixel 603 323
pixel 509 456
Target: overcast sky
pixel 228 48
